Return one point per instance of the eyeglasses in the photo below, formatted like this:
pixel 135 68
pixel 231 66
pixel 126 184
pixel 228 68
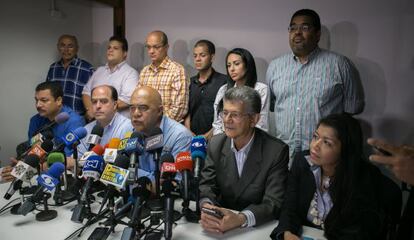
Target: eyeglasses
pixel 301 27
pixel 236 116
pixel 140 108
pixel 155 47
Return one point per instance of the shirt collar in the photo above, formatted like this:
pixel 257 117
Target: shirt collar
pixel 73 62
pixel 164 64
pixel 244 149
pixel 209 79
pixel 310 56
pixel 117 67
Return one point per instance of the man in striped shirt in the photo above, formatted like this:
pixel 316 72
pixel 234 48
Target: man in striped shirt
pixel 310 83
pixel 71 72
pixel 166 76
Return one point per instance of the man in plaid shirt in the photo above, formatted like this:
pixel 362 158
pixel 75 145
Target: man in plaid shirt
pixel 166 76
pixel 71 72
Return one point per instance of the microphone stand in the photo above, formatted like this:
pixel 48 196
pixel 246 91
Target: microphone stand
pixel 71 194
pixel 46 214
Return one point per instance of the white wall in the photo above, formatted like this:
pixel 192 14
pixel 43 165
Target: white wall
pixel 27 48
pixel 377 35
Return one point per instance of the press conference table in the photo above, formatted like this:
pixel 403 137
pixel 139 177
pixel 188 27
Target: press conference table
pixel 13 227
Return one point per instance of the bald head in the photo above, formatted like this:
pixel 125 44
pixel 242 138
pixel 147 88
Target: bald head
pixel 156 44
pixel 150 94
pixel 159 35
pixel 146 109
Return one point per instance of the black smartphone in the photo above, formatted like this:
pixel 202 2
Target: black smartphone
pixel 213 212
pixel 386 153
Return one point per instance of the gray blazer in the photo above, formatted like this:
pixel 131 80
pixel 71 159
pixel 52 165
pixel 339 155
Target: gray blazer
pixel 261 186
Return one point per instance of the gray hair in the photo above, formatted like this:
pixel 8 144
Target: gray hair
pixel 247 95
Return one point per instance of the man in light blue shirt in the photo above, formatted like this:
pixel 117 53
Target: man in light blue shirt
pixel 310 83
pixel 104 106
pixel 147 113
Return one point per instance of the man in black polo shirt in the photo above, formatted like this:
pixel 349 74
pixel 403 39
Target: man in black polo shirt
pixel 203 90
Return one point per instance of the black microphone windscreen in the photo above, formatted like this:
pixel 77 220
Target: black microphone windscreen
pixel 154 131
pixel 47 145
pixel 137 134
pixel 168 157
pixel 33 160
pixel 122 161
pixel 61 117
pixel 47 134
pixel 22 148
pixel 97 130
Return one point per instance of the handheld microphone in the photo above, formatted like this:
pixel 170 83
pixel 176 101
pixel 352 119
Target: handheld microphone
pixel 46 182
pixel 168 171
pixel 55 157
pixel 116 174
pixel 20 171
pixel 59 119
pixel 134 147
pixel 40 137
pixel 95 136
pixel 97 150
pixel 154 144
pixel 111 152
pixel 40 150
pixel 198 154
pixel 184 164
pixel 72 138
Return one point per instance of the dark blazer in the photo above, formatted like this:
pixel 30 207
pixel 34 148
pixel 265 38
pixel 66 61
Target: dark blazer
pixel 366 220
pixel 261 186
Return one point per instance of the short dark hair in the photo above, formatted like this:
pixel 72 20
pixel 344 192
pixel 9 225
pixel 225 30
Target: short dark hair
pixel 122 40
pixel 250 65
pixel 55 88
pixel 316 21
pixel 210 46
pixel 114 92
pixel 250 98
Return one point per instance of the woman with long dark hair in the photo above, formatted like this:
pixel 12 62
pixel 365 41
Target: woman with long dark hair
pixel 241 68
pixel 334 188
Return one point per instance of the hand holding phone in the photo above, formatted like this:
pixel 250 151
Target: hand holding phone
pixel 213 212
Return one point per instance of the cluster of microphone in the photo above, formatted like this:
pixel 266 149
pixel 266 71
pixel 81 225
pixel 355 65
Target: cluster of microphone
pixel 113 170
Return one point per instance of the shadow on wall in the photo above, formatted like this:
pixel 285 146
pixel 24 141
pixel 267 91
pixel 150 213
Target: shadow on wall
pixel 325 40
pixel 220 60
pixel 344 40
pixel 261 68
pixel 180 53
pixel 98 53
pixel 136 57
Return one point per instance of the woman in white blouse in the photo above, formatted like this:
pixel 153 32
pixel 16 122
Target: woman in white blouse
pixel 241 68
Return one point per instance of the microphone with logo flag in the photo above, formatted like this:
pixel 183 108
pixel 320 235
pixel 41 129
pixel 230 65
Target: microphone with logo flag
pixel 95 136
pixel 46 182
pixel 40 137
pixel 97 150
pixel 198 154
pixel 111 152
pixel 72 139
pixel 40 149
pixel 23 171
pixel 154 143
pixel 168 172
pixel 135 148
pixel 92 170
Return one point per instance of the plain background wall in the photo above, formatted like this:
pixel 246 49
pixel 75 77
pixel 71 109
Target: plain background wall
pixel 376 35
pixel 28 40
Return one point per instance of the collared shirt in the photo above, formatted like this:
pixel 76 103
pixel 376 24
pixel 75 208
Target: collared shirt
pixel 72 79
pixel 263 122
pixel 241 156
pixel 201 104
pixel 322 201
pixel 117 128
pixel 304 93
pixel 177 139
pixel 170 81
pixel 59 130
pixel 123 78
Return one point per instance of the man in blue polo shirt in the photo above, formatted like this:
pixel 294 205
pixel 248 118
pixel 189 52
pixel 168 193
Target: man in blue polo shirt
pixel 49 103
pixel 71 72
